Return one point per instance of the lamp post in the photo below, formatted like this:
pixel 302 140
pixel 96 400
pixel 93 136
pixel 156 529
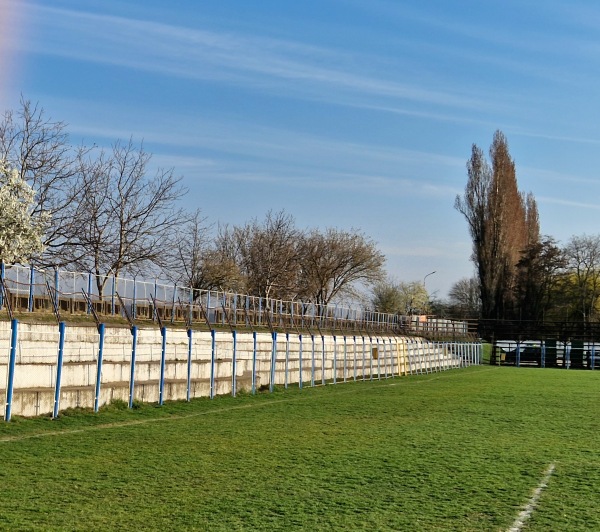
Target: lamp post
pixel 430 273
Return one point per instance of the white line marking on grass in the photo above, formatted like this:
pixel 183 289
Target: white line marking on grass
pixel 531 505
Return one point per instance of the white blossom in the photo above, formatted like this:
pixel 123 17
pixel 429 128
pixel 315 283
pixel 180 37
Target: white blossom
pixel 20 232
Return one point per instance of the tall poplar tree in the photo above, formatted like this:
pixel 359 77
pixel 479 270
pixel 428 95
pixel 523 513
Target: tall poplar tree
pixel 502 223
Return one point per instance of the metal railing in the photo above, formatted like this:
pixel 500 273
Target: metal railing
pixel 84 293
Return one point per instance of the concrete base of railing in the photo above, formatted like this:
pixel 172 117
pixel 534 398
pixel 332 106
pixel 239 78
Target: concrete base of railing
pixel 254 359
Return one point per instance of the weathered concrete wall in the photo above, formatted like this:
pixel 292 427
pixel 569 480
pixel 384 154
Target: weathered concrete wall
pixel 323 359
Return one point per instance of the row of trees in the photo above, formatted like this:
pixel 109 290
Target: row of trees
pixel 520 273
pixel 273 258
pixel 104 211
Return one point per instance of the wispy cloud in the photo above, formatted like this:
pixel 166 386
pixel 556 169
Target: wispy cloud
pixel 257 62
pixel 558 178
pixel 557 138
pixel 245 139
pixel 568 203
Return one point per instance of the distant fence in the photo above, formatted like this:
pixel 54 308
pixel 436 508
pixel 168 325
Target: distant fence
pixel 558 344
pixel 547 353
pixel 47 368
pixel 84 293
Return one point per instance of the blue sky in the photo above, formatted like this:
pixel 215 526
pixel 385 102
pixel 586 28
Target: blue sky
pixel 346 113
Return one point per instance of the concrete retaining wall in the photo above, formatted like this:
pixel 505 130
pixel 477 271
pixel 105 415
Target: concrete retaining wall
pixel 326 358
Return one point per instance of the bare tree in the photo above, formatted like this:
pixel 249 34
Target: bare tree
pixel 266 253
pixel 464 298
pixel 198 263
pixel 335 261
pixel 583 273
pixel 125 217
pixel 187 248
pixel 501 222
pixel 39 149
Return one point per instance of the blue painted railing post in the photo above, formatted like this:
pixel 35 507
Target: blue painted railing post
pixel 253 362
pixel 518 354
pixel 378 360
pixel 364 360
pixel 31 288
pixel 163 363
pixel 59 365
pixel 101 330
pixel 385 358
pixel 300 361
pixel 273 361
pixel 234 364
pixel 334 359
pixel 354 337
pixel 345 357
pixel 312 366
pixel 189 365
pixel 323 360
pixel 287 358
pixel 134 332
pixel 593 356
pixel 213 354
pixel 371 358
pixel 14 336
pixel 416 351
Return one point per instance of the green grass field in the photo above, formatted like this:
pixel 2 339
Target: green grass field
pixel 458 450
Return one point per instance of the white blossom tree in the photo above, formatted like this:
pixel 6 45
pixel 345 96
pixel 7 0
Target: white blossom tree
pixel 21 232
